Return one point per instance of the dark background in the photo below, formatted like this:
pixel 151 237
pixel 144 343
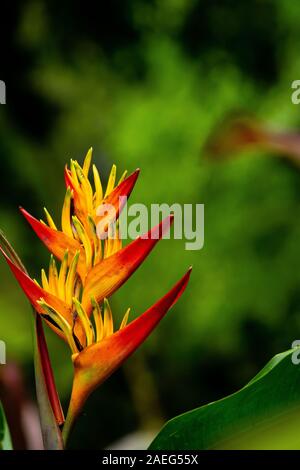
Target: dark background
pixel 144 83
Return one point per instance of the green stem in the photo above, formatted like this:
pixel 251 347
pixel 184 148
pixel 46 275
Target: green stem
pixel 70 420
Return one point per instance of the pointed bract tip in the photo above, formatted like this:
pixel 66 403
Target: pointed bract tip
pixel 132 175
pixel 25 213
pixel 185 278
pixel 188 273
pixel 167 222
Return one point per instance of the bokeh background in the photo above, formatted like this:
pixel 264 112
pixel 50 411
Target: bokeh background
pixel 145 82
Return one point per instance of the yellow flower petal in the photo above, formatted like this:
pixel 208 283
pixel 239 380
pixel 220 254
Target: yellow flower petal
pixel 50 220
pixel 87 161
pixel 111 181
pixel 125 319
pixel 108 324
pixel 66 214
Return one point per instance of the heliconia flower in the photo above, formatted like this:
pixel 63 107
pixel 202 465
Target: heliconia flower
pixel 73 299
pixel 79 215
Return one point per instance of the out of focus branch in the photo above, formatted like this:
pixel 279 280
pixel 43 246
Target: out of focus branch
pixel 236 135
pixel 21 413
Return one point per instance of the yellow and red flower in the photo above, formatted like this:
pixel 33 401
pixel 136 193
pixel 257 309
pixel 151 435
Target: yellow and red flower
pixel 73 299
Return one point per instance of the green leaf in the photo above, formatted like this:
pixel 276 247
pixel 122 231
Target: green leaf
pixel 5 440
pixel 265 414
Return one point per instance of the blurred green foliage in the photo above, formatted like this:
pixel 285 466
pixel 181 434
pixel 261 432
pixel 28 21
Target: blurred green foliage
pixel 144 83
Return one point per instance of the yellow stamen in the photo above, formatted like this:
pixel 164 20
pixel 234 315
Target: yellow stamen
pixel 53 276
pixel 50 220
pixel 62 277
pixel 87 325
pixel 125 319
pixel 78 289
pixel 71 277
pixel 84 240
pixel 86 187
pixel 122 177
pixel 98 188
pixel 66 214
pixel 113 243
pixel 109 242
pixel 111 181
pixel 74 175
pixel 45 282
pixel 108 326
pixel 98 320
pixel 87 161
pixel 61 322
pixel 117 245
pixel 107 246
pixel 96 241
